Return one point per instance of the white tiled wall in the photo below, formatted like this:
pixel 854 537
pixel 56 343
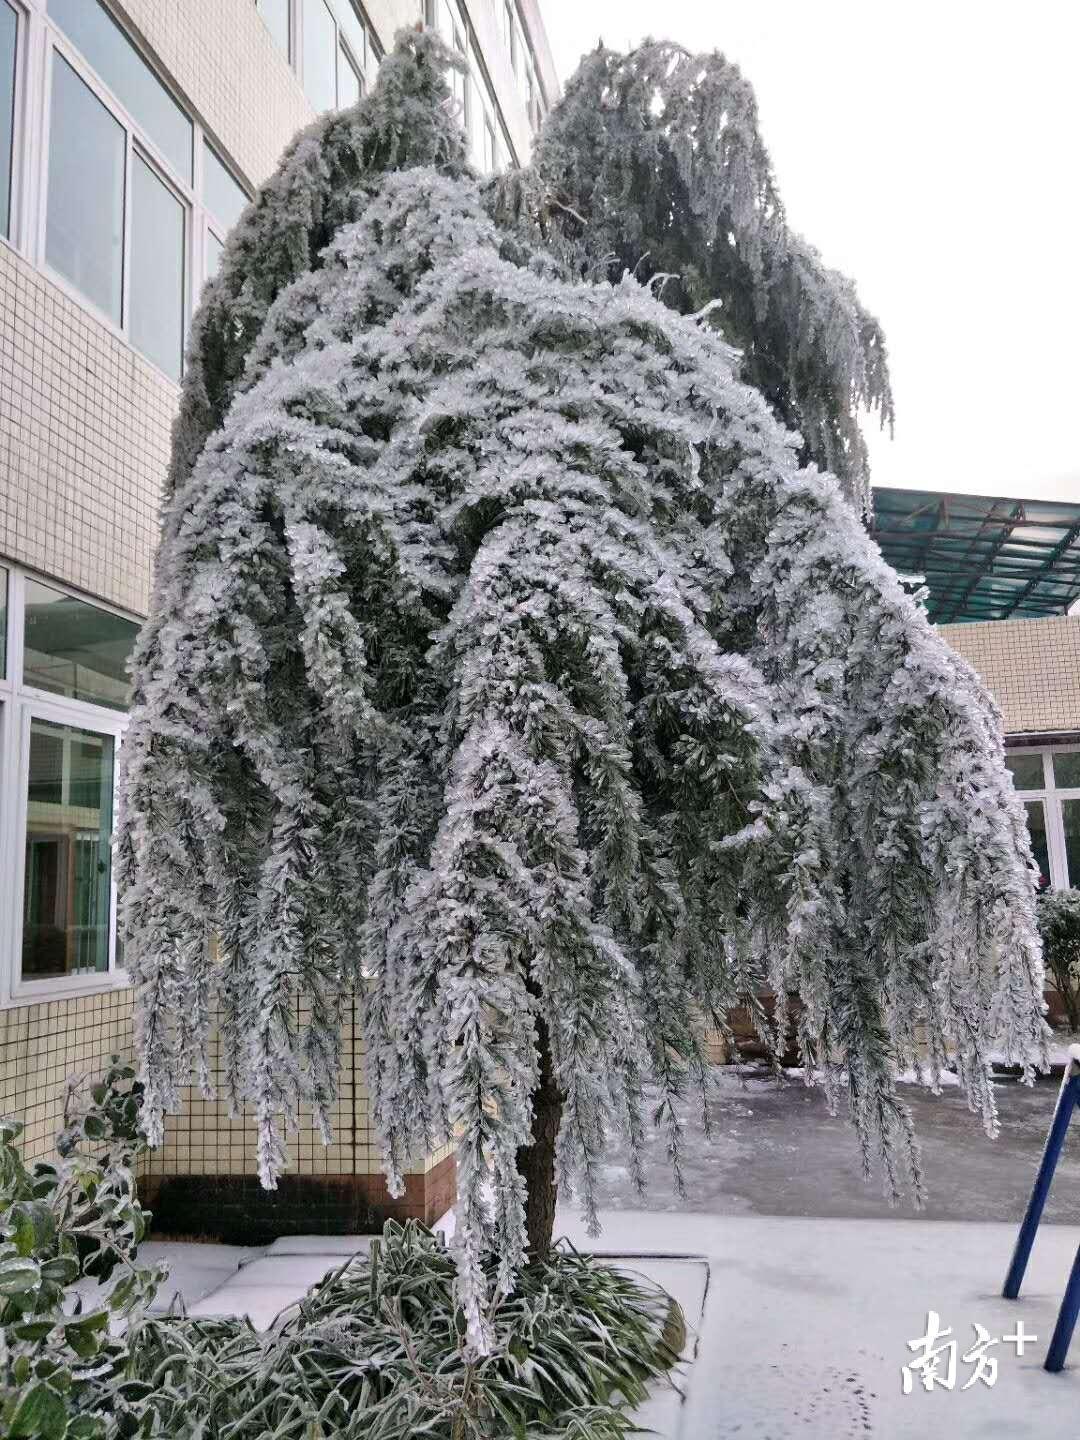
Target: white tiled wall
pixel 1032 667
pixel 84 442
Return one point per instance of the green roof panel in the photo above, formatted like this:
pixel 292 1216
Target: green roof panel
pixel 982 557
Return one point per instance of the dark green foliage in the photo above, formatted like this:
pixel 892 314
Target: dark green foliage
pixel 652 162
pixel 378 1350
pixel 1058 914
pixel 67 1230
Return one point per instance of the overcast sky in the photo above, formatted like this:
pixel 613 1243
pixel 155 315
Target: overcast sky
pixel 931 152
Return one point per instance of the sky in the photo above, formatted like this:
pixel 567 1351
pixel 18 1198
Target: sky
pixel 930 151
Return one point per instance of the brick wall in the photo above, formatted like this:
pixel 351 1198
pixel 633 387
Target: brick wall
pixel 42 1044
pixel 1032 667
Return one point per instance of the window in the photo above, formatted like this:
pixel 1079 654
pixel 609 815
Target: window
pixel 1048 782
pixel 336 53
pixel 157 269
pixel 1026 770
pixel 224 197
pixel 320 56
pixel 478 110
pixel 350 82
pixel 137 199
pixel 9 37
pixel 96 35
pixel 67 868
pixel 84 237
pixel 63 691
pixel 276 15
pixel 75 649
pixel 1036 821
pixel 214 247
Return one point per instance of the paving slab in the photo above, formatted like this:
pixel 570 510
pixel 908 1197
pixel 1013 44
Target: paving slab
pixel 807 1324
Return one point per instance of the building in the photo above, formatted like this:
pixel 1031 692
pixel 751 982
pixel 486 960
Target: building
pixel 131 135
pixel 1001 577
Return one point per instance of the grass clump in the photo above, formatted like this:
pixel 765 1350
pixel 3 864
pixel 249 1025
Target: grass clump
pixel 377 1350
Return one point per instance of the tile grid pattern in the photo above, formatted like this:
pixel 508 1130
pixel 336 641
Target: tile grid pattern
pixel 42 1044
pixel 84 443
pixel 1032 668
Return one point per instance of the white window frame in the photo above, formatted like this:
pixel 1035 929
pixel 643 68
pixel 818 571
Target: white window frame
pixel 487 111
pixel 366 65
pixel 20 704
pixel 38 40
pixel 1051 796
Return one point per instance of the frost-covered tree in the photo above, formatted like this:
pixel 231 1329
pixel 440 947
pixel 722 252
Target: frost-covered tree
pixel 506 666
pixel 653 162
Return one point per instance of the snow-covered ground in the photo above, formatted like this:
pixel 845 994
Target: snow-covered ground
pixel 804 1286
pixel 807 1324
pixel 801 1325
pixel 775 1150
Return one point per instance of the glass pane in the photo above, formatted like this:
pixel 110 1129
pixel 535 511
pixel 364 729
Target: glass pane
pixel 1070 819
pixel 223 196
pixel 3 622
pixel 349 87
pixel 157 269
pixel 9 27
pixel 1026 770
pixel 88 26
pixel 67 889
pixel 1036 820
pixel 214 247
pixel 276 15
pixel 320 46
pixel 75 649
pixel 84 231
pixel 352 28
pixel 1067 769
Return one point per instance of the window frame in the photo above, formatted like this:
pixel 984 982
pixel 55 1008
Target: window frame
pixel 1051 796
pixel 20 705
pixel 135 140
pixel 365 66
pixel 481 112
pixel 39 39
pixel 19 129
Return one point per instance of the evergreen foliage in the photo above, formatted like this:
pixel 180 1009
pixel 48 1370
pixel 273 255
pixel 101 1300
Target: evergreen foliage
pixel 652 162
pixel 506 665
pixel 1058 913
pixel 376 1350
pixel 69 1278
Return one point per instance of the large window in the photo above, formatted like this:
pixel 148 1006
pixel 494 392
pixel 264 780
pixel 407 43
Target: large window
pixel 1048 782
pixel 135 202
pixel 329 43
pixel 84 236
pixel 63 691
pixel 489 149
pixel 9 43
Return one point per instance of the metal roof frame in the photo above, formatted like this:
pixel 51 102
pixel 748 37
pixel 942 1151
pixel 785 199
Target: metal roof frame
pixel 982 557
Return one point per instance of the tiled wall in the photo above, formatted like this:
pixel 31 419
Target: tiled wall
pixel 84 440
pixel 42 1044
pixel 343 1185
pixel 84 443
pixel 1032 667
pixel 222 58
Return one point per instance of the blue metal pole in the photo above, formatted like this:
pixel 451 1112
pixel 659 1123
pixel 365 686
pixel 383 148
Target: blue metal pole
pixel 1066 1321
pixel 1066 1103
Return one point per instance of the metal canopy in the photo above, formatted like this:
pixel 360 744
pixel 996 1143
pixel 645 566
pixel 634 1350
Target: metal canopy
pixel 982 557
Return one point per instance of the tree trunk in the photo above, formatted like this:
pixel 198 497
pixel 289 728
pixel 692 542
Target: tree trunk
pixel 536 1162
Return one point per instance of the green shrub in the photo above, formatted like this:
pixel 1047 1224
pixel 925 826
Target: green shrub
pixel 377 1350
pixel 63 1352
pixel 1058 914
